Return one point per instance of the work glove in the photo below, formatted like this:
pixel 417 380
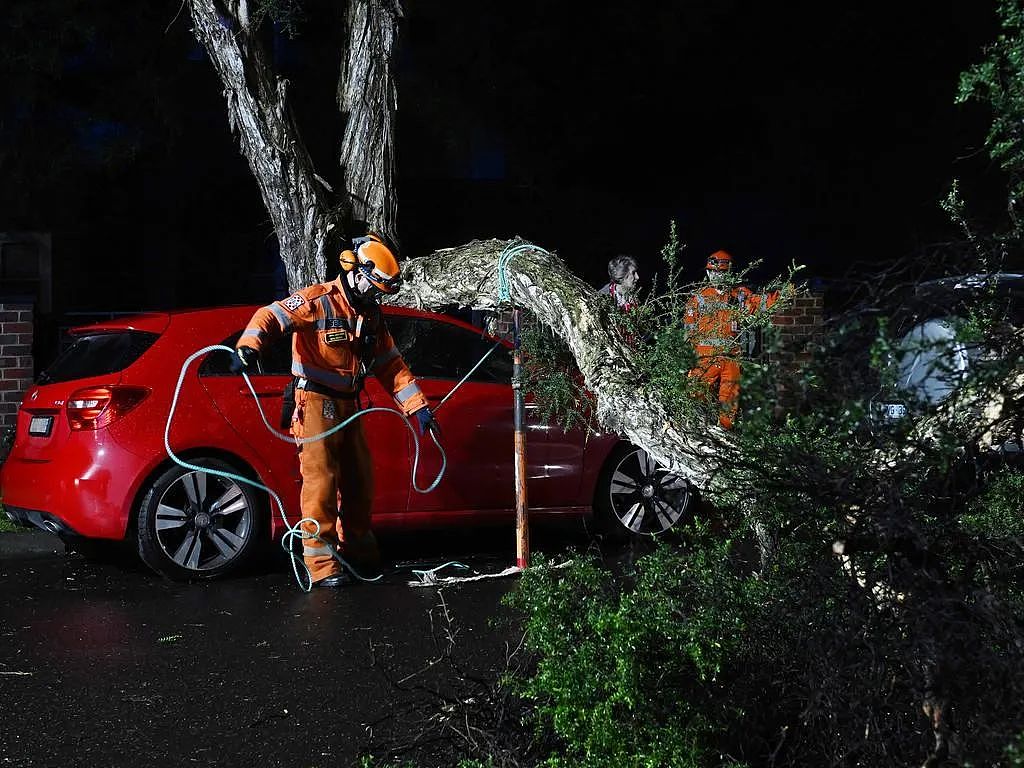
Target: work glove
pixel 427 422
pixel 245 359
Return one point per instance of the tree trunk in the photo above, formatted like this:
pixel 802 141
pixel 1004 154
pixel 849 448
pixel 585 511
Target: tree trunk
pixel 368 100
pixel 259 114
pixel 542 284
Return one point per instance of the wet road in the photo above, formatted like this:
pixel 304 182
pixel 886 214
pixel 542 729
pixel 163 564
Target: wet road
pixel 102 664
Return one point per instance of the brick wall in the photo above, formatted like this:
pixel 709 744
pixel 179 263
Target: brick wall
pixel 16 367
pixel 799 326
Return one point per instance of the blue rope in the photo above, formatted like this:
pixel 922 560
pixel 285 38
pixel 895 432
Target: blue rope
pixel 504 285
pixel 293 532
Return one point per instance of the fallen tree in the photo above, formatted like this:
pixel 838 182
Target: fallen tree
pixel 541 283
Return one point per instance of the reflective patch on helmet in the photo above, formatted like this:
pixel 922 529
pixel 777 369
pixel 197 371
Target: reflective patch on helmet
pixel 293 302
pixel 330 410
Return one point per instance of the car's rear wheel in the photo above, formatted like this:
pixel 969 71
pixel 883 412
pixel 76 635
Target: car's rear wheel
pixel 197 525
pixel 637 495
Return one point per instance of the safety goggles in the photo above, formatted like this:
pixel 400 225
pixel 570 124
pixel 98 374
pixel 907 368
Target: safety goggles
pixel 376 279
pixel 720 265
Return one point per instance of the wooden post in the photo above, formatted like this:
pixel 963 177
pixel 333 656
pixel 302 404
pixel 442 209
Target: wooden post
pixel 518 410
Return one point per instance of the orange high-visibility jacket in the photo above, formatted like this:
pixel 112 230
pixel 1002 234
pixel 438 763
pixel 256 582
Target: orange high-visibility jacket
pixel 712 317
pixel 328 335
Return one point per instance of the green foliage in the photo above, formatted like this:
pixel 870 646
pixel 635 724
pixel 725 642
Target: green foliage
pixel 998 513
pixel 6 526
pixel 666 360
pixel 1015 753
pixel 6 441
pixel 621 665
pixel 369 761
pixel 553 378
pixel 998 81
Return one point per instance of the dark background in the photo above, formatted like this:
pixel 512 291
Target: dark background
pixel 820 133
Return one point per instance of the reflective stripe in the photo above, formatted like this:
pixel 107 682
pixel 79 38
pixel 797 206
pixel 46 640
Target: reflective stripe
pixel 321 376
pixel 328 312
pixel 328 306
pixel 716 342
pixel 308 551
pixel 253 333
pixel 283 318
pixel 409 390
pixel 700 301
pixel 391 354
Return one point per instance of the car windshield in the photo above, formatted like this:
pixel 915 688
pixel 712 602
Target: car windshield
pixel 97 354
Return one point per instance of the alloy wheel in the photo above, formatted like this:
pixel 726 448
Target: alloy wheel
pixel 645 497
pixel 203 521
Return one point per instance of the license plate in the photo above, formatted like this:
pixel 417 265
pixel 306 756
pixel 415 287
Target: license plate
pixel 40 426
pixel 894 410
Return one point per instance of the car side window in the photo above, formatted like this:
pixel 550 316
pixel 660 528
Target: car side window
pixel 275 360
pixel 434 349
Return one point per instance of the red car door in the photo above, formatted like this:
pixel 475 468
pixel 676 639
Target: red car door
pixel 476 423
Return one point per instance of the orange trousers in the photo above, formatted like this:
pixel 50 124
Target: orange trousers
pixel 335 469
pixel 721 373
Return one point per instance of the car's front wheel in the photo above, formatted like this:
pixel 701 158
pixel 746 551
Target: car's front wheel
pixel 637 495
pixel 197 525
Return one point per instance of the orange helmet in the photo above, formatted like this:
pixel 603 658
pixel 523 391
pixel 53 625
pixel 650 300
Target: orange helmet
pixel 719 261
pixel 375 262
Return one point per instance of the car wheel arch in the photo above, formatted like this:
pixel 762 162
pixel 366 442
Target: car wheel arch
pixel 239 464
pixel 215 546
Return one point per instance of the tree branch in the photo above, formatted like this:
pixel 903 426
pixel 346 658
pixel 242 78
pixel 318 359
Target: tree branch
pixel 467 276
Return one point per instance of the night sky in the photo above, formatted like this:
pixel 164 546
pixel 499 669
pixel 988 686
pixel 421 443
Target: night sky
pixel 821 133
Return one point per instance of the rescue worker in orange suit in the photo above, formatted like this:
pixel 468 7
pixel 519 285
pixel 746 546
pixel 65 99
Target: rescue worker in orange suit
pixel 712 319
pixel 338 336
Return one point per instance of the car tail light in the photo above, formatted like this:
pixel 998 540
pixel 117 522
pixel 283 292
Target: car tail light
pixel 96 407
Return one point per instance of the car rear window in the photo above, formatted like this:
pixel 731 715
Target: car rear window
pixel 275 360
pixel 97 354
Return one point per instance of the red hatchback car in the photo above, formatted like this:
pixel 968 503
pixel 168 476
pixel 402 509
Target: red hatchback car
pixel 88 459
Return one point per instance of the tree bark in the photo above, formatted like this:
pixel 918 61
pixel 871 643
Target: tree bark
pixel 368 100
pixel 260 116
pixel 467 276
